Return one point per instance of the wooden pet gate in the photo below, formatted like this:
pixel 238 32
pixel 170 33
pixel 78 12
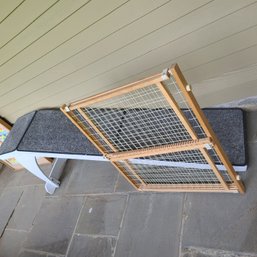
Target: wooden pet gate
pixel 154 132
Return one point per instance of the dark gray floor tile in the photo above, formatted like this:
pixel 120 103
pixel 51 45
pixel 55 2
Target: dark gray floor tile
pixel 224 221
pixel 27 208
pixel 8 201
pixel 11 243
pixel 54 225
pixel 102 215
pixel 123 185
pixel 29 179
pixel 89 246
pixel 151 226
pixel 15 177
pixel 26 253
pixel 6 177
pixel 92 177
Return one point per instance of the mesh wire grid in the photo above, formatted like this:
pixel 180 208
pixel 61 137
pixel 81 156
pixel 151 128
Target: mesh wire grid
pixel 185 167
pixel 82 123
pixel 143 118
pixel 137 119
pixel 159 173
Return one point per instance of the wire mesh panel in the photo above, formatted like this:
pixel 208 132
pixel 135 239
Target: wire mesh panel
pixel 154 132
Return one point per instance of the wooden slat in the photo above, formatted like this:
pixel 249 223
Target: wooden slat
pixel 100 148
pixel 170 99
pixel 84 115
pixel 157 150
pixel 116 92
pixel 99 132
pixel 130 168
pixel 4 123
pixel 182 83
pixel 89 137
pixel 214 168
pixel 190 188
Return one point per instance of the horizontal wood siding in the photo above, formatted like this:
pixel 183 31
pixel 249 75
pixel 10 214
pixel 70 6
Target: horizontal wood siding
pixel 57 51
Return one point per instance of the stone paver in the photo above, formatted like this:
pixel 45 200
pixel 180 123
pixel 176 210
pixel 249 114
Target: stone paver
pixel 29 179
pixel 224 221
pixel 27 208
pixel 7 177
pixel 151 226
pixel 8 201
pixel 102 215
pixel 54 225
pixel 92 177
pixel 11 243
pixel 12 177
pixel 83 245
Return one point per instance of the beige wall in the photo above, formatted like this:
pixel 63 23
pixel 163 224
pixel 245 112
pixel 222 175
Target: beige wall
pixel 54 52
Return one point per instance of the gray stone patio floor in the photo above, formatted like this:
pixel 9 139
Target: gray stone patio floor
pixel 96 213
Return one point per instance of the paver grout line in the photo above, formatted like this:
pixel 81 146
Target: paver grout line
pixel 24 186
pixel 16 230
pixel 40 252
pixel 33 221
pixel 116 184
pixel 89 195
pixel 11 214
pixel 98 194
pixel 75 227
pixel 181 232
pixel 121 224
pixel 96 235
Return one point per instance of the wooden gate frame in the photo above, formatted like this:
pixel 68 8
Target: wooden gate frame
pixel 195 143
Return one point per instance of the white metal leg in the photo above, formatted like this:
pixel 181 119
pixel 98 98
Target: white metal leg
pixel 57 169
